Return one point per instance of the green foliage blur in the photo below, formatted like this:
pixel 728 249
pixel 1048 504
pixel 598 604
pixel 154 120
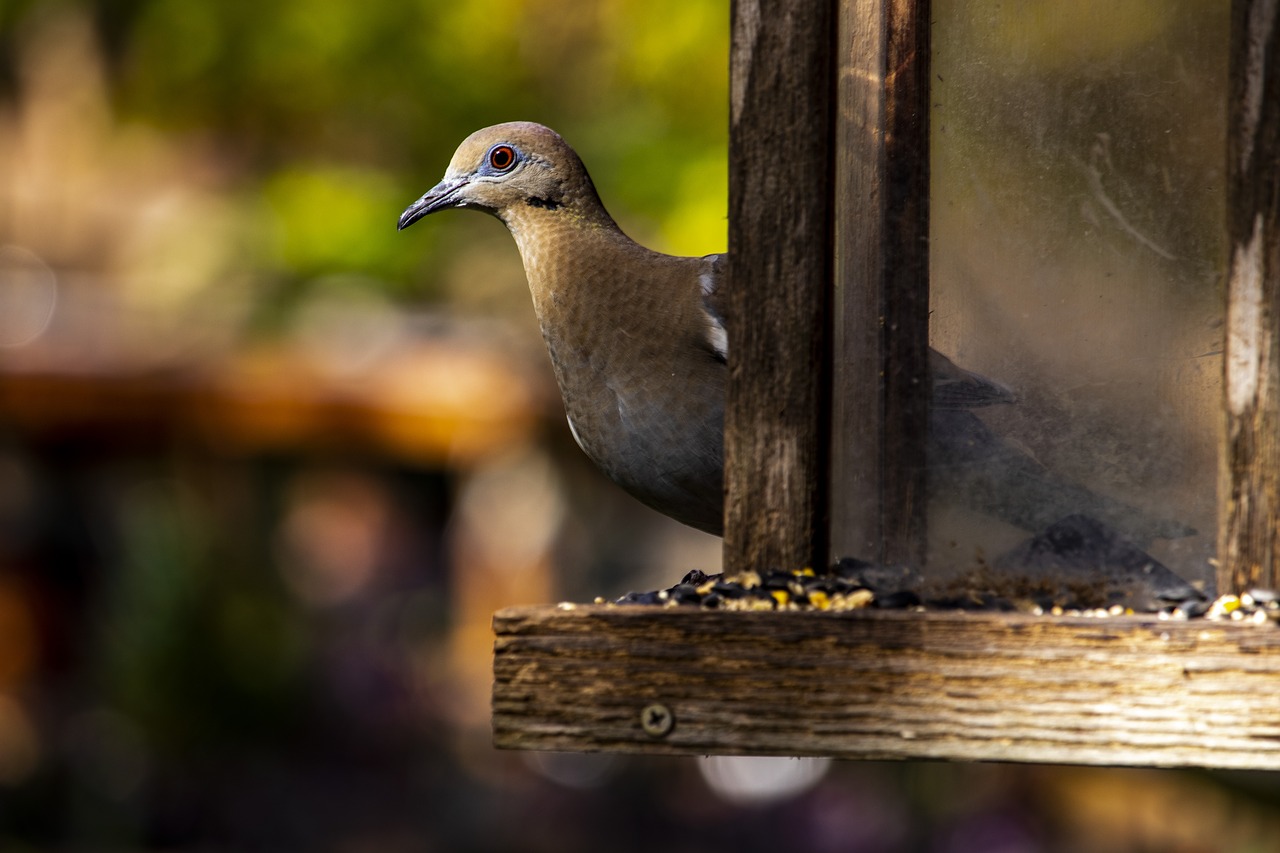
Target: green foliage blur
pixel 319 120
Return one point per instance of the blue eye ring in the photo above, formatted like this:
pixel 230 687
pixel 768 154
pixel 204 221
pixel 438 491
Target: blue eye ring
pixel 501 158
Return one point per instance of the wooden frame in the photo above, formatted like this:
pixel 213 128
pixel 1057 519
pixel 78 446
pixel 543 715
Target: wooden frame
pixel 829 258
pixel 779 185
pixel 885 684
pixel 1249 492
pixel 877 684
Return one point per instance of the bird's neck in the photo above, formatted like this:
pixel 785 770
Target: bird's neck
pixel 597 295
pixel 576 262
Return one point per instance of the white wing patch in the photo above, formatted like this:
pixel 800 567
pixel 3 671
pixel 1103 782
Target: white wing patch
pixel 708 283
pixel 718 336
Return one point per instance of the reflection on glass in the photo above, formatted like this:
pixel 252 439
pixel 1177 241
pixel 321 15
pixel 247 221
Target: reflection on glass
pixel 1077 258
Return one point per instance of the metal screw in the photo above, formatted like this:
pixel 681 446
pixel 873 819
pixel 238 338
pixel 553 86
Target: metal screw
pixel 657 720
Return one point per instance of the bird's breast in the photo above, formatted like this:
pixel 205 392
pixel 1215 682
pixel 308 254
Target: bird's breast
pixel 652 429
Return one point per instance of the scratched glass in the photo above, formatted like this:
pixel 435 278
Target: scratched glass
pixel 1078 257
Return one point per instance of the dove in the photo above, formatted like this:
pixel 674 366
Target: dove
pixel 638 346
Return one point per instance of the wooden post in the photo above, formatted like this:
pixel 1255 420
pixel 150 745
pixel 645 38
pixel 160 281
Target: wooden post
pixel 779 250
pixel 1249 490
pixel 880 392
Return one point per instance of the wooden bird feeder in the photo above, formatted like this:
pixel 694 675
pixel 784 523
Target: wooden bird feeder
pixel 829 254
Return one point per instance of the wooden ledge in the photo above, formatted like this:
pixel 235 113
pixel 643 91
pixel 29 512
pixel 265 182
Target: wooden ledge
pixel 877 684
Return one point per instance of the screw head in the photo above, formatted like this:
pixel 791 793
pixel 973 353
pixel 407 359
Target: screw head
pixel 657 720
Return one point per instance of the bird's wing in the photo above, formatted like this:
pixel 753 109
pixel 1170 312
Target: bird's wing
pixel 970 465
pixel 953 386
pixel 957 388
pixel 715 298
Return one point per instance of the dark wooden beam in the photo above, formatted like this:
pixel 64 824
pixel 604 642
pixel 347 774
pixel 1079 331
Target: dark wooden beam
pixel 881 305
pixel 1249 492
pixel 779 250
pixel 877 684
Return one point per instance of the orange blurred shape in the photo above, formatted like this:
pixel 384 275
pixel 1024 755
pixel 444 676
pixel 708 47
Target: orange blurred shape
pixel 432 403
pixel 19 640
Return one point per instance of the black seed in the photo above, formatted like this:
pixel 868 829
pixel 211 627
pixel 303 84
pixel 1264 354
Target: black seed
pixel 1194 607
pixel 729 590
pixel 685 593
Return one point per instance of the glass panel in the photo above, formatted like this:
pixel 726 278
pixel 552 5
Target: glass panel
pixel 1077 258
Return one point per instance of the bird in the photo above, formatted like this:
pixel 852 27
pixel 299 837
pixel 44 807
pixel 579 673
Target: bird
pixel 638 346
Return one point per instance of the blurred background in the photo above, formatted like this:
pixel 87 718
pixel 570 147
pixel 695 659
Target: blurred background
pixel 267 467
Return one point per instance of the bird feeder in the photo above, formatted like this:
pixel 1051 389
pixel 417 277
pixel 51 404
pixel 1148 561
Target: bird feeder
pixel 826 428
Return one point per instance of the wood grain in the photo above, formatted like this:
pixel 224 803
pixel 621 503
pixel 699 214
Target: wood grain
pixel 779 250
pixel 890 684
pixel 1249 489
pixel 881 279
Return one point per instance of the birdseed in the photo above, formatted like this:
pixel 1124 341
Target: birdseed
pixel 853 585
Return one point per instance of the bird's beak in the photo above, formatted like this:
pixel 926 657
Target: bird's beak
pixel 445 194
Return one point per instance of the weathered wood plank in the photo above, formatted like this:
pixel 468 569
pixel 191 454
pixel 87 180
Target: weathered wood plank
pixel 881 278
pixel 779 249
pixel 890 684
pixel 1249 491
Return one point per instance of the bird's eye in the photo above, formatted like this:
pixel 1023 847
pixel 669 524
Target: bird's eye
pixel 502 157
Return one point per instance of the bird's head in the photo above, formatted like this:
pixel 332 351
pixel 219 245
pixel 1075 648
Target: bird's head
pixel 510 170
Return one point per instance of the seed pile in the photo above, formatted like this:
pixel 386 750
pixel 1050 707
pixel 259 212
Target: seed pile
pixel 853 584
pixel 774 590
